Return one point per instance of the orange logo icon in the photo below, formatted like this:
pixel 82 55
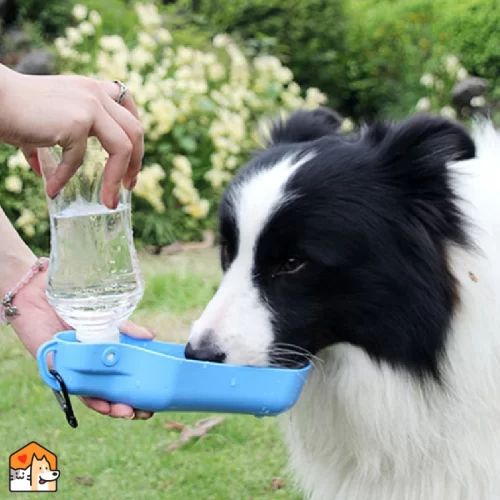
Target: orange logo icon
pixel 33 468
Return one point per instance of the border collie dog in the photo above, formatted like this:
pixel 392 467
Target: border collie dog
pixel 377 256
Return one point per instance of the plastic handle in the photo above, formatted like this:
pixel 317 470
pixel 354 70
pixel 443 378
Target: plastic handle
pixel 41 358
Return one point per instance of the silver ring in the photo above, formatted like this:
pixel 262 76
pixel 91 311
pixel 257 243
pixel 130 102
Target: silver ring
pixel 123 91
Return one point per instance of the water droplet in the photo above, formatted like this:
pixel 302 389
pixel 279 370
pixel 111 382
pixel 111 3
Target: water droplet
pixel 204 366
pixel 233 382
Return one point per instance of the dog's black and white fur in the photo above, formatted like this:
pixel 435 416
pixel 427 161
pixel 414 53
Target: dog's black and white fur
pixel 379 254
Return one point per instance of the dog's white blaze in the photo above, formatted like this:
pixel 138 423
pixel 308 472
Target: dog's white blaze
pixel 239 319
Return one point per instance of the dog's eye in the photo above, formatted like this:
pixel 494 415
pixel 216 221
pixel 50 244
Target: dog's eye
pixel 289 266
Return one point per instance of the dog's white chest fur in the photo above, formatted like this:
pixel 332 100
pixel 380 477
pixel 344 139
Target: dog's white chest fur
pixel 365 431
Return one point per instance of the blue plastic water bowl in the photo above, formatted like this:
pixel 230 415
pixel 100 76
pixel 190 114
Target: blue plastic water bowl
pixel 155 376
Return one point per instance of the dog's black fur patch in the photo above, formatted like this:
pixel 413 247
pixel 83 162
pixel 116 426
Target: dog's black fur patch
pixel 372 216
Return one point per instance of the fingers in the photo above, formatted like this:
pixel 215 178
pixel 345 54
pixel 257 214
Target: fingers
pixel 133 129
pixel 113 90
pixel 136 331
pixel 31 156
pixel 119 147
pixel 116 410
pixel 72 159
pixel 102 407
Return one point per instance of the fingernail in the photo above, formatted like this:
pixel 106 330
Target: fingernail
pixel 132 417
pixel 55 194
pixel 133 184
pixel 153 334
pixel 116 201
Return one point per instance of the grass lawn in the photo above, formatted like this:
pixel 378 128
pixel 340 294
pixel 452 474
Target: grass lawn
pixel 106 458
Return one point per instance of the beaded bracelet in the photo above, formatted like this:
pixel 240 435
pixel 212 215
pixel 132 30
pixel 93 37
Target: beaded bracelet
pixel 8 311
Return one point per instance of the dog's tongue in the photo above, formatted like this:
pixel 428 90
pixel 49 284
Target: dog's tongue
pixel 42 481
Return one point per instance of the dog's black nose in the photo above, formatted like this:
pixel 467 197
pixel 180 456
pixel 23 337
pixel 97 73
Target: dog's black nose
pixel 54 474
pixel 205 352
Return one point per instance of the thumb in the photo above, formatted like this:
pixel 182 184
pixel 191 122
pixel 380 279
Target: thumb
pixel 136 331
pixel 72 159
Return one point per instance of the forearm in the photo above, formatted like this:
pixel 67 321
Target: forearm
pixel 15 256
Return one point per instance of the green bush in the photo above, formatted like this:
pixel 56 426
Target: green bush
pixel 388 45
pixel 22 197
pixel 470 30
pixel 200 110
pixel 50 17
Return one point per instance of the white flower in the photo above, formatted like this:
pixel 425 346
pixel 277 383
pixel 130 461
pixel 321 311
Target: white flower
pixel 13 184
pixel 73 35
pixel 182 164
pixel 216 71
pixel 86 28
pixel 113 43
pixel 439 84
pixel 79 12
pixel 427 80
pixel 217 177
pixel 164 35
pixel 198 210
pixel 18 160
pixel 208 59
pixel 232 162
pixel 284 75
pixel 424 104
pixel 85 58
pixel 448 112
pixel 314 98
pixel 149 186
pixel 478 101
pixel 291 101
pixel 95 18
pixel 148 15
pixel 146 41
pixel 347 125
pixel 221 40
pixel 452 64
pixel 294 88
pixel 462 74
pixel 26 222
pixel 140 57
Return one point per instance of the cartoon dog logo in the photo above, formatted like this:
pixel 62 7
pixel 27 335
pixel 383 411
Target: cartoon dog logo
pixel 33 468
pixel 43 478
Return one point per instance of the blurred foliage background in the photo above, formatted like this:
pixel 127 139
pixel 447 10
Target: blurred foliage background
pixel 206 73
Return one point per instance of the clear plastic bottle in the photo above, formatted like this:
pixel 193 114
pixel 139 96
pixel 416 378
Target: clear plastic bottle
pixel 94 280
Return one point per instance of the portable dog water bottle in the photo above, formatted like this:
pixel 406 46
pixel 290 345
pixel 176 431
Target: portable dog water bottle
pixel 94 284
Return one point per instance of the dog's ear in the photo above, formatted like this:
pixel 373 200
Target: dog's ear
pixel 412 159
pixel 304 126
pixel 426 141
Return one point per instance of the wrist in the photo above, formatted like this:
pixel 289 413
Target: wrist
pixel 14 269
pixel 9 307
pixel 16 258
pixel 9 82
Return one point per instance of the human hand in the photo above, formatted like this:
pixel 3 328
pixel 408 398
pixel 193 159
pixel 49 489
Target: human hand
pixel 38 322
pixel 44 111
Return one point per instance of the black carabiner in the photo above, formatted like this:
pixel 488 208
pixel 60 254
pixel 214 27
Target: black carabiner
pixel 64 401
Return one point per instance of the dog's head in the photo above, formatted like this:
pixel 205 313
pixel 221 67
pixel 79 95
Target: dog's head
pixel 329 237
pixel 40 468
